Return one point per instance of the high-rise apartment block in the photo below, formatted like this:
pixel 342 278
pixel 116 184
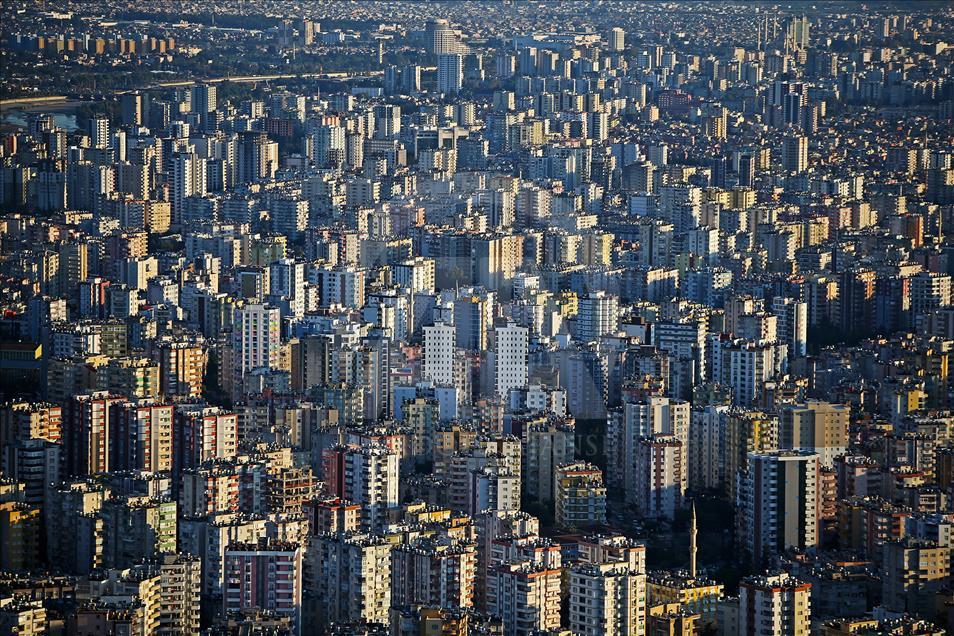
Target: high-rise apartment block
pixel 450 73
pixel 407 323
pixel 779 503
pixel 774 604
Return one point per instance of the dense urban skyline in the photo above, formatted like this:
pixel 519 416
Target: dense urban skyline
pixel 465 318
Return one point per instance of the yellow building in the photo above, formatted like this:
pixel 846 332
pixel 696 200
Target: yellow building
pixel 22 617
pixel 26 420
pixel 429 621
pixel 150 595
pixel 420 513
pixel 698 596
pixel 568 303
pixel 158 216
pixel 742 198
pixel 817 426
pixel 11 490
pixel 669 619
pixel 181 367
pixel 908 626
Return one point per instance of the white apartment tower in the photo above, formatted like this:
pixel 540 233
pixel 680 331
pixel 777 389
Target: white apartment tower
pixel 450 73
pixel 188 179
pixel 204 98
pixel 681 205
pixel 659 483
pixel 99 132
pixel 528 597
pixel 256 339
pixel 439 353
pixel 929 291
pixel 434 573
pixel 510 358
pixel 367 476
pixel 374 474
pixel 352 578
pixel 387 121
pixel 597 315
pixel 792 324
pixel 607 599
pixel 746 366
pixel 707 443
pixel 656 416
pixel 442 38
pixel 327 142
pixel 616 39
pixel 774 605
pixel 416 274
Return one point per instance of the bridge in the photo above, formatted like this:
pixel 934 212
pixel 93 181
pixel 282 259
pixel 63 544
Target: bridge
pixel 20 102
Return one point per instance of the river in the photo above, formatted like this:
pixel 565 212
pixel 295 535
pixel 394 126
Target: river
pixel 64 113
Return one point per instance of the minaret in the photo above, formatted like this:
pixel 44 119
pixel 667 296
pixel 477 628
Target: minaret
pixel 692 542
